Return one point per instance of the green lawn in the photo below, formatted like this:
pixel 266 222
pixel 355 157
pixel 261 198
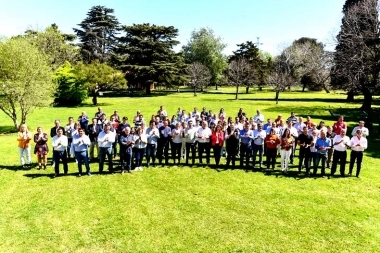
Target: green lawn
pixel 183 209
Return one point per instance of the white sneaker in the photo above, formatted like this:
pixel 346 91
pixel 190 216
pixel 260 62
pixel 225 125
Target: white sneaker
pixel 141 168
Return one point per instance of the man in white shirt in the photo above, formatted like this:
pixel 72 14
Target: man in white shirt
pixel 60 144
pixel 358 145
pixel 258 118
pixel 191 136
pixel 69 128
pixel 294 134
pixel 105 140
pixel 81 142
pixel 365 131
pixel 340 144
pixel 258 144
pixel 204 134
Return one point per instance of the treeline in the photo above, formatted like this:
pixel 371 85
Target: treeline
pixel 103 54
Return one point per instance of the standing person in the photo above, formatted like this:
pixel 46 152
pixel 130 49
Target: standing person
pixel 286 148
pixel 105 140
pixel 83 120
pixel 304 142
pixel 140 147
pixel 294 134
pixel 93 131
pixel 232 142
pixel 99 113
pixel 292 119
pixel 191 136
pixel 340 144
pixel 183 147
pixel 258 144
pixel 313 150
pixel 272 141
pixel 164 142
pixel 176 143
pixel 59 145
pixel 365 131
pixel 69 128
pixel 41 149
pixel 115 126
pixel 258 118
pixel 331 135
pixel 204 134
pixel 358 145
pixel 81 142
pixel 217 141
pixel 299 127
pixel 23 138
pixel 339 125
pixel 245 136
pixel 322 145
pixel 126 146
pixel 53 132
pixel 153 135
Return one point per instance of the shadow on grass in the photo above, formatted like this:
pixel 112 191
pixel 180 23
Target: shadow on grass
pixel 16 167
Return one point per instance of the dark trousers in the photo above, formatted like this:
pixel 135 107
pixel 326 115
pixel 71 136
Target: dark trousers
pixel 323 157
pixel 139 155
pixel 271 157
pixel 293 153
pixel 69 141
pixel 163 149
pixel 82 158
pixel 258 149
pixel 217 150
pixel 126 162
pixel 304 158
pixel 341 157
pixel 176 151
pixel 358 156
pixel 204 147
pixel 232 151
pixel 114 149
pixel 58 156
pixel 151 150
pixel 245 152
pixel 103 152
pixel 190 146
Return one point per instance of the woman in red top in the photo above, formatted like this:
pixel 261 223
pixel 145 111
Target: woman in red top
pixel 217 141
pixel 272 141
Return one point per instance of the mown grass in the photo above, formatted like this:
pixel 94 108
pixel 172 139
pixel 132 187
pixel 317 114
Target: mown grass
pixel 183 209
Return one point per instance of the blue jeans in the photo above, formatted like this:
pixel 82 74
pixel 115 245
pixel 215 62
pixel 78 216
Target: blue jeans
pixel 260 149
pixel 58 156
pixel 151 150
pixel 139 155
pixel 103 152
pixel 82 157
pixel 323 157
pixel 126 163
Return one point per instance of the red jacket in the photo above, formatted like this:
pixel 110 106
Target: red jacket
pixel 217 136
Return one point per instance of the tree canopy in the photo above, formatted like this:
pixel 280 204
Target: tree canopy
pixel 25 79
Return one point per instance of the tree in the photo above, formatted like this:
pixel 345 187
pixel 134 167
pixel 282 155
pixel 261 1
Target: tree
pixel 25 79
pixel 281 76
pixel 72 88
pixel 258 62
pixel 100 76
pixel 56 45
pixel 146 55
pixel 97 34
pixel 311 63
pixel 204 47
pixel 240 73
pixel 356 60
pixel 200 76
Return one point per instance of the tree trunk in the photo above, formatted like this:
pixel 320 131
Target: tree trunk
pixel 325 88
pixel 147 87
pixel 246 90
pixel 350 96
pixel 237 92
pixel 367 103
pixel 303 87
pixel 15 123
pixel 277 95
pixel 216 86
pixel 195 91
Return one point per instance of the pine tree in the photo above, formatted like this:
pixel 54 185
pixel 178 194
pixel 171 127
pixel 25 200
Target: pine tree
pixel 97 34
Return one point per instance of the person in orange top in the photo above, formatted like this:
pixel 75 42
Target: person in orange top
pixel 23 138
pixel 272 141
pixel 217 140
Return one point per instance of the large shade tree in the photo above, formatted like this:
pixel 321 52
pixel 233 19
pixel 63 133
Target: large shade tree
pixel 145 53
pixel 356 60
pixel 97 34
pixel 25 79
pixel 206 48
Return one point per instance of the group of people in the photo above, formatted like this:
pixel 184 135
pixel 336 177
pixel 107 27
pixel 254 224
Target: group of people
pixel 184 134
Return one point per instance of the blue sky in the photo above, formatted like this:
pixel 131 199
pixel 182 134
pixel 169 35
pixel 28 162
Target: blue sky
pixel 276 22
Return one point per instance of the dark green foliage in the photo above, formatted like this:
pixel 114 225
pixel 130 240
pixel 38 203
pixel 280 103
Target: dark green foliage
pixel 97 34
pixel 146 55
pixel 71 89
